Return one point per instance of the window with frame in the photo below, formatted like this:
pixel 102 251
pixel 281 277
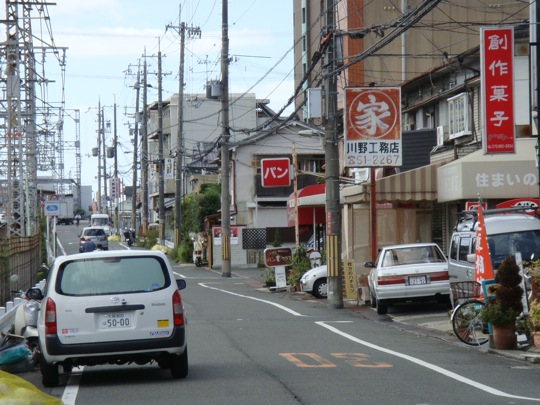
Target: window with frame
pixel 458 116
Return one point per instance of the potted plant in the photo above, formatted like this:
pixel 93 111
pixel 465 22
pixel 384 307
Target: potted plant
pixel 497 315
pixel 299 265
pixel 269 275
pixel 534 322
pixel 501 312
pixel 533 268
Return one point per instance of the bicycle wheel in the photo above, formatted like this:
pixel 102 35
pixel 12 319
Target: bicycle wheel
pixel 467 325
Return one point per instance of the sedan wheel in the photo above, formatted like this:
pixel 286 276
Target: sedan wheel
pixel 373 300
pixel 382 308
pixel 320 288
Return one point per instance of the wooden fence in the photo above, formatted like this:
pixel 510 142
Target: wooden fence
pixel 18 256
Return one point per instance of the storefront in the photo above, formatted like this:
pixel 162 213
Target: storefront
pixel 492 177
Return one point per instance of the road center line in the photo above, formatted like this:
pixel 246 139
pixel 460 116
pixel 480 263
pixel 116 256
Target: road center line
pixel 425 364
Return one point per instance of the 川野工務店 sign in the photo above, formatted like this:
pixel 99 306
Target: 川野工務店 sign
pixel 372 135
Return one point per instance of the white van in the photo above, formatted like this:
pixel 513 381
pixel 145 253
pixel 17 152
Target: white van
pixel 102 220
pixel 508 231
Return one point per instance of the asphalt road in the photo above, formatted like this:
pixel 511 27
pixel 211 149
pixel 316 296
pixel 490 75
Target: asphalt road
pixel 250 346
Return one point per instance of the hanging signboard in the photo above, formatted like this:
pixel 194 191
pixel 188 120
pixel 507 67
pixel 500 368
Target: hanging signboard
pixel 372 127
pixel 497 56
pixel 276 172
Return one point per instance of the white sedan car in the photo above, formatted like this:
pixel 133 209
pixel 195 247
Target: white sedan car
pixel 413 272
pixel 314 281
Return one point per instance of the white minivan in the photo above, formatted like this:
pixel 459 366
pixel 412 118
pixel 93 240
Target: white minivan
pixel 507 232
pixel 112 307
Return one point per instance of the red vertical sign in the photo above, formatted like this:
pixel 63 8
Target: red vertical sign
pixel 497 56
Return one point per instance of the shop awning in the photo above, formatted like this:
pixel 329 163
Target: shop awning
pixel 413 185
pixel 311 205
pixel 500 176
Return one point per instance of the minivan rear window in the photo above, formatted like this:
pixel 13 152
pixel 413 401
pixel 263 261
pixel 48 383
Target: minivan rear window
pixel 105 276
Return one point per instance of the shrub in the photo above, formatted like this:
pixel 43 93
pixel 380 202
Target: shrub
pixel 509 294
pixel 300 264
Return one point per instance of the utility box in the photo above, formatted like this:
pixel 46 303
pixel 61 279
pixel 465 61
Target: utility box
pixel 314 102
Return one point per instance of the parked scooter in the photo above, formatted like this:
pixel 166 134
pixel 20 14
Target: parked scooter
pixel 25 323
pixel 198 254
pixel 129 236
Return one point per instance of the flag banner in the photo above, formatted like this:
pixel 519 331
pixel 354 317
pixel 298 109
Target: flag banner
pixel 482 263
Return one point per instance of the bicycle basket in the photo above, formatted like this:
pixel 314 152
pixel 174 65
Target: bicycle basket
pixel 465 289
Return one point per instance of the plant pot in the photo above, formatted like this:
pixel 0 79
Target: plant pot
pixel 504 337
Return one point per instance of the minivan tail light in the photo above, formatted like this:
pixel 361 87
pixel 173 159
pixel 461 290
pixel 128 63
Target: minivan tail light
pixel 50 317
pixel 178 310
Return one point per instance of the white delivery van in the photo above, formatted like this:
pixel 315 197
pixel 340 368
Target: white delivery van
pixel 102 220
pixel 508 231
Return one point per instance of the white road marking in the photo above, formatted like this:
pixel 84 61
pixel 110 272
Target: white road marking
pixel 72 386
pixel 290 311
pixel 425 364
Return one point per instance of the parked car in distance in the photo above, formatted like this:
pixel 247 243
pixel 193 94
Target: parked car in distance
pixel 412 272
pixel 95 234
pixel 508 232
pixel 112 307
pixel 314 281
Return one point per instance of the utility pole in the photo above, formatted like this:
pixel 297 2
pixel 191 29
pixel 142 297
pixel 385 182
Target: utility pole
pixel 144 153
pixel 192 31
pixel 161 160
pixel 536 27
pixel 100 129
pixel 225 135
pixel 135 149
pixel 179 141
pixel 333 209
pixel 116 196
pixel 105 210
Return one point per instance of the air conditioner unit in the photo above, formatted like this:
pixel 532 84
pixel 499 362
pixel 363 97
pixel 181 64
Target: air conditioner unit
pixel 442 134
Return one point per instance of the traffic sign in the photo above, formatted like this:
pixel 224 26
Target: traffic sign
pixel 51 208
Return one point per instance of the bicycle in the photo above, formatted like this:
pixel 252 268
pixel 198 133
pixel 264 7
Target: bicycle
pixel 466 322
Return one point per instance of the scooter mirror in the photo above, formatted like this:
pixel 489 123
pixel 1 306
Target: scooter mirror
pixel 34 294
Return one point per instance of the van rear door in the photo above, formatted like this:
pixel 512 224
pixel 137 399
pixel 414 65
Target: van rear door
pixel 459 269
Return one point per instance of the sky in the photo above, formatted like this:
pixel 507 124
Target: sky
pixel 106 41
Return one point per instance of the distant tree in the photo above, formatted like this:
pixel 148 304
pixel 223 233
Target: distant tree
pixel 195 207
